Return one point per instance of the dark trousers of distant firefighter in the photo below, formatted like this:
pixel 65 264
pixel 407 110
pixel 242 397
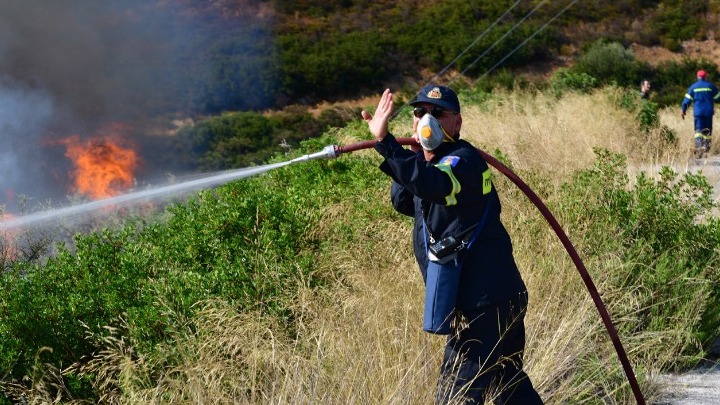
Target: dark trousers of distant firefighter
pixel 483 359
pixel 703 135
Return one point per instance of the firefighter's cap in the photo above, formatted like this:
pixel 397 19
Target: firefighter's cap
pixel 440 96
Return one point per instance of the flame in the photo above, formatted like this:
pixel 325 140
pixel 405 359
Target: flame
pixel 103 168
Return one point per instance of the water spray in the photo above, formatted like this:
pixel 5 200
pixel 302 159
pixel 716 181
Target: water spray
pixel 144 195
pixel 329 152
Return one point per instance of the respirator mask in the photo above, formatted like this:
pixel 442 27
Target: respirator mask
pixel 430 133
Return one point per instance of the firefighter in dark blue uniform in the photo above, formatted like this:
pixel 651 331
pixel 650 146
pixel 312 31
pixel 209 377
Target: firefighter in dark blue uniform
pixel 702 95
pixel 448 191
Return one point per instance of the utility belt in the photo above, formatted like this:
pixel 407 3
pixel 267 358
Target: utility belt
pixel 443 275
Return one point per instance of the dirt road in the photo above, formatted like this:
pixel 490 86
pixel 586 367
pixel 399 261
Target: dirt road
pixel 698 387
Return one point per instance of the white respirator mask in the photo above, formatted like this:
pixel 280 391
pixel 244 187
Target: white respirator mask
pixel 430 133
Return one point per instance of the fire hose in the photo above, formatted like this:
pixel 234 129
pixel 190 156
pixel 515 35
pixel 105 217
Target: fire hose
pixel 334 151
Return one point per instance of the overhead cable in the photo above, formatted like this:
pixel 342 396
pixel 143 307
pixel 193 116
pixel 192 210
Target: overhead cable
pixel 475 41
pixel 526 40
pixel 531 12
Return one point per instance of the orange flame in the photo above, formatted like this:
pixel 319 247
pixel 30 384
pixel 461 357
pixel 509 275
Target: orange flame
pixel 102 167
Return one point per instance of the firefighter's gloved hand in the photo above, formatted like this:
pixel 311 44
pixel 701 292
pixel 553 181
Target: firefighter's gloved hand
pixel 682 114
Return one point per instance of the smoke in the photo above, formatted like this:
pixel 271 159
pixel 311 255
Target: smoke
pixel 24 112
pixel 96 58
pixel 72 67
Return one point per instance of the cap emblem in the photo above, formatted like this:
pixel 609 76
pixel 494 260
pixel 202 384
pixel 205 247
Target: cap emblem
pixel 434 93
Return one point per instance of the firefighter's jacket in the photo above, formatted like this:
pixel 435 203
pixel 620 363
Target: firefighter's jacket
pixel 451 194
pixel 702 94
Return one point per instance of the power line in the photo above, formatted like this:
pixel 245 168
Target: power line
pixel 528 15
pixel 526 40
pixel 478 38
pixel 531 12
pixel 464 51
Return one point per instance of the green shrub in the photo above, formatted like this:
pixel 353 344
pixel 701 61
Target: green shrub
pixel 611 63
pixel 229 140
pixel 238 72
pixel 677 21
pixel 672 79
pixel 648 115
pixel 503 79
pixel 242 139
pixel 565 80
pixel 476 96
pixel 332 64
pixel 665 232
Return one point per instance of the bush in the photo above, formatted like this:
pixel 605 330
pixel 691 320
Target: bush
pixel 665 233
pixel 611 63
pixel 242 139
pixel 678 22
pixel 565 80
pixel 334 64
pixel 239 72
pixel 672 79
pixel 648 115
pixel 503 79
pixel 228 141
pixel 646 112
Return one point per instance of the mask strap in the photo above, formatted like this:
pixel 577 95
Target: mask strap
pixel 446 136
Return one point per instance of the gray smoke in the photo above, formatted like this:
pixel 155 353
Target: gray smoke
pixel 70 67
pixel 24 113
pixel 96 58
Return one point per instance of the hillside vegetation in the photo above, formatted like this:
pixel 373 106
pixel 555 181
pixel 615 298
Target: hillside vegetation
pixel 266 64
pixel 299 286
pixel 300 52
pixel 236 139
pixel 251 55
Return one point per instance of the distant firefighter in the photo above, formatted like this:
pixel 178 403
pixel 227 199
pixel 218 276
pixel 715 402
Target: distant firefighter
pixel 702 95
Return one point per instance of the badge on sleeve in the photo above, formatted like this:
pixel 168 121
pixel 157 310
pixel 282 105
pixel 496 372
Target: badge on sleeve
pixel 449 161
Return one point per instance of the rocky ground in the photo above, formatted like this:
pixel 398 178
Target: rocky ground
pixel 697 387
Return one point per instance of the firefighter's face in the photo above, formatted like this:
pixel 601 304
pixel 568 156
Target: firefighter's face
pixel 449 120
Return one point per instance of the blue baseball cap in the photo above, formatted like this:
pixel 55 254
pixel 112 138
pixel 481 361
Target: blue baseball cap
pixel 440 96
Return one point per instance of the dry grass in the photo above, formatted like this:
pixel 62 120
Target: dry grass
pixel 376 323
pixel 558 136
pixel 362 343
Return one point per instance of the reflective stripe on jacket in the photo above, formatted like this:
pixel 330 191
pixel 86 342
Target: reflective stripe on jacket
pixel 702 95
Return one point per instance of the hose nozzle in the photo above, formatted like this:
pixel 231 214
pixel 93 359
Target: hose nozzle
pixel 328 152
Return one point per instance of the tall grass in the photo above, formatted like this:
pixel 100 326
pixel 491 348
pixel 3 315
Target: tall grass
pixel 360 341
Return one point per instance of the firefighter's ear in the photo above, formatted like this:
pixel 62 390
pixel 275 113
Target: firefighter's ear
pixel 458 126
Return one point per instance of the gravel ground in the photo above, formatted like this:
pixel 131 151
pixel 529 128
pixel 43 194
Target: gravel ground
pixel 697 387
